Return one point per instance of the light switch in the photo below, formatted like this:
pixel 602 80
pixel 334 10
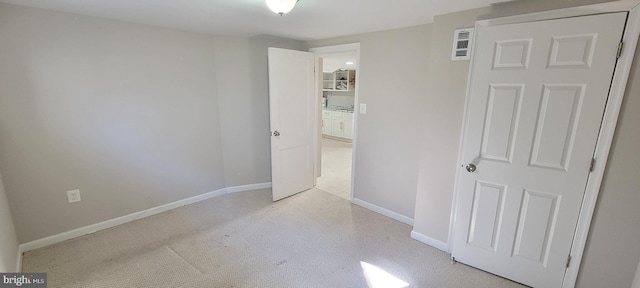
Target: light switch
pixel 363 108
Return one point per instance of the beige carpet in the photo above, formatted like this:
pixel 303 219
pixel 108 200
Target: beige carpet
pixel 336 168
pixel 313 239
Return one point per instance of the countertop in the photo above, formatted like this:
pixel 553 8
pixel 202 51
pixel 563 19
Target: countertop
pixel 337 109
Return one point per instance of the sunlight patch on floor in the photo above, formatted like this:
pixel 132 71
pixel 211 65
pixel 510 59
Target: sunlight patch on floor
pixel 378 278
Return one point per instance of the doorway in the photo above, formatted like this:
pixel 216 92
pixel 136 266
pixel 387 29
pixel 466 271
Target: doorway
pixel 336 167
pixel 337 91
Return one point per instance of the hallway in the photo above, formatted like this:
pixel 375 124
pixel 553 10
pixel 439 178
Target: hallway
pixel 336 168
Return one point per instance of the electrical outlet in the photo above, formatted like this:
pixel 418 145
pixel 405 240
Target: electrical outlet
pixel 73 196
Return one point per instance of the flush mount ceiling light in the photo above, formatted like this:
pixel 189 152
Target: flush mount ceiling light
pixel 281 6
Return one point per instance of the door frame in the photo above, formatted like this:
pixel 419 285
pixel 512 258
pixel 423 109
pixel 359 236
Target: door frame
pixel 609 120
pixel 320 52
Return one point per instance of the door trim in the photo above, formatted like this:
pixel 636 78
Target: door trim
pixel 609 121
pixel 319 53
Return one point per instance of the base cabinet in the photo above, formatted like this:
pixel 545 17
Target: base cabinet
pixel 326 126
pixel 338 124
pixel 337 127
pixel 326 122
pixel 348 128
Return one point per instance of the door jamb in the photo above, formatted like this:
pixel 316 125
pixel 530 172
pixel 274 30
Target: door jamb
pixel 326 50
pixel 609 120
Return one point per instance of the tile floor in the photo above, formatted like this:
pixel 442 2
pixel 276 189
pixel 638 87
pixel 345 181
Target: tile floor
pixel 336 168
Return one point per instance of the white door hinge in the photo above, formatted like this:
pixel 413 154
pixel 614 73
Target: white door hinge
pixel 568 261
pixel 619 50
pixel 593 164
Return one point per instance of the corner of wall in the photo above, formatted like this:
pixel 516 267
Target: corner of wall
pixel 636 280
pixel 442 126
pixel 9 241
pixel 19 260
pixel 430 241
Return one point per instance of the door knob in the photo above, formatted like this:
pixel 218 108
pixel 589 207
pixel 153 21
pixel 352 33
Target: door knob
pixel 470 168
pixel 276 133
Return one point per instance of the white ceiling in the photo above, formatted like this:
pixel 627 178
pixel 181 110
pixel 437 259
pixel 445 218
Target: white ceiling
pixel 310 19
pixel 337 61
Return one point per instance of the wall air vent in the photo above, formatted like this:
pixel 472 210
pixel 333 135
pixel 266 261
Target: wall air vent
pixel 462 44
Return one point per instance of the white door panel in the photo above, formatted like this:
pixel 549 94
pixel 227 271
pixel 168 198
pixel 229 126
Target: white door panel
pixel 537 95
pixel 292 114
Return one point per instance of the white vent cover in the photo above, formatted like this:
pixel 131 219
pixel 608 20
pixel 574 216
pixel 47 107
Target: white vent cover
pixel 462 44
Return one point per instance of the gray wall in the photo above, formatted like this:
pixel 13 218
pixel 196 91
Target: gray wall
pixel 442 126
pixel 518 7
pixel 392 72
pixel 243 95
pixel 9 239
pixel 129 114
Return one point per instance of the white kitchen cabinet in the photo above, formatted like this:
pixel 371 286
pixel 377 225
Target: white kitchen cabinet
pixel 337 127
pixel 341 124
pixel 340 80
pixel 326 122
pixel 328 81
pixel 348 127
pixel 326 126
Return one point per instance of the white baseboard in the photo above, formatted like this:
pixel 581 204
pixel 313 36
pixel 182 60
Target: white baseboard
pixel 383 211
pixel 430 241
pixel 43 242
pixel 249 187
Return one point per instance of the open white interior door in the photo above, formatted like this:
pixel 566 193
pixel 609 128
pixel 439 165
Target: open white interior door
pixel 293 111
pixel 536 99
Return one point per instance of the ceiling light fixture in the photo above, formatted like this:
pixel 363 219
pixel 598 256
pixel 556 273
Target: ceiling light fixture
pixel 281 6
pixel 349 63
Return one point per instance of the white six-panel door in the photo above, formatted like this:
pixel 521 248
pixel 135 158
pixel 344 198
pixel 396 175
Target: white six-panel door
pixel 536 99
pixel 292 113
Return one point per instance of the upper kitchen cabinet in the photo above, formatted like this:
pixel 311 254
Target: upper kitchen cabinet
pixel 339 80
pixel 328 81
